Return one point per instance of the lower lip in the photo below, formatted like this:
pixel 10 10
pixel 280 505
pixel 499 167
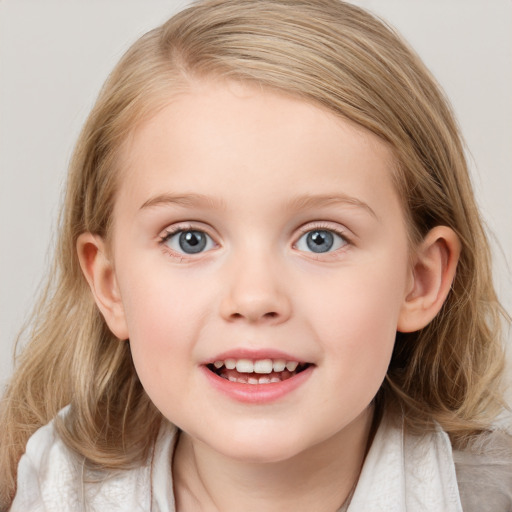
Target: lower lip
pixel 257 393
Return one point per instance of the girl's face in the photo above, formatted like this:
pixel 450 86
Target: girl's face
pixel 255 230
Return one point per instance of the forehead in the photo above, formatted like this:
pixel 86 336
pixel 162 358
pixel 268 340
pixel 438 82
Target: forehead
pixel 218 137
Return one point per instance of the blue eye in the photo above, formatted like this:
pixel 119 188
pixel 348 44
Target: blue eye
pixel 189 241
pixel 320 241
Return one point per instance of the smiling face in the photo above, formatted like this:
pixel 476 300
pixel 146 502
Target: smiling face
pixel 253 227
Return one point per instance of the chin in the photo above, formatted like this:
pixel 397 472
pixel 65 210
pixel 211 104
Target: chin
pixel 263 449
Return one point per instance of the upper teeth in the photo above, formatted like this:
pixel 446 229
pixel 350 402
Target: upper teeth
pixel 258 366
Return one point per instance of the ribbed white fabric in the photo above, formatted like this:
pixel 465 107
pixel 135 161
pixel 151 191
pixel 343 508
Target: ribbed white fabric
pixel 402 473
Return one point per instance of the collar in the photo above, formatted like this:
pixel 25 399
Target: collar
pixel 162 492
pixel 404 473
pixel 401 473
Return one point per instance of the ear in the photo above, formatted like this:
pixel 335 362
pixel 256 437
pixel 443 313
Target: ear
pixel 433 272
pixel 99 272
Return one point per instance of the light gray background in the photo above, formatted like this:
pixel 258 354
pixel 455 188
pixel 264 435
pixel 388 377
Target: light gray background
pixel 54 56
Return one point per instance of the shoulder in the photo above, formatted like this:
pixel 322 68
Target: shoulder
pixel 53 477
pixel 484 473
pixel 46 473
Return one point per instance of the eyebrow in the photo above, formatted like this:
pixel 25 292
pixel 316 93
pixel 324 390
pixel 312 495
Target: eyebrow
pixel 184 200
pixel 315 201
pixel 298 203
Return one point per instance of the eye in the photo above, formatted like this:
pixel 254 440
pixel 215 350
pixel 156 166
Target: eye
pixel 190 241
pixel 320 240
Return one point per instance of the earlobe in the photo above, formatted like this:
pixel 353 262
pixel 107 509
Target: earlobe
pixel 433 272
pixel 99 273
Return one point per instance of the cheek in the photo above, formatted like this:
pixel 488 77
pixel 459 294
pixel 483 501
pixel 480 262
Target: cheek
pixel 165 315
pixel 356 318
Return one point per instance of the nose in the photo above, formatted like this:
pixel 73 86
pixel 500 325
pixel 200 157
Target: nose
pixel 255 293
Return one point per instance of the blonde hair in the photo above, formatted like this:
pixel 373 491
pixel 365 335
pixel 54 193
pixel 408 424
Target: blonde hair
pixel 327 52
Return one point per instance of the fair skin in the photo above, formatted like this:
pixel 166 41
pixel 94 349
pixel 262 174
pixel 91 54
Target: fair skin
pixel 297 250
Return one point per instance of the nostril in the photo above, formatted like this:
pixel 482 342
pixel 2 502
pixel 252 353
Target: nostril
pixel 270 315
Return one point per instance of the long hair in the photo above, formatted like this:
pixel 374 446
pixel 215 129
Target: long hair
pixel 325 52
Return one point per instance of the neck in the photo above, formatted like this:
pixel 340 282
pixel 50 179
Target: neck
pixel 320 478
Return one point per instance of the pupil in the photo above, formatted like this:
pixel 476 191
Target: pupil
pixel 320 241
pixel 192 241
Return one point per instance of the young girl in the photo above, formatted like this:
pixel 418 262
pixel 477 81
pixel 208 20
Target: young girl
pixel 272 289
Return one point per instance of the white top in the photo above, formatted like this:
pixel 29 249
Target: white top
pixel 401 473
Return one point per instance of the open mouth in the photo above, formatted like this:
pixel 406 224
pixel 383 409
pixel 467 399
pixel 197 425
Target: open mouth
pixel 261 371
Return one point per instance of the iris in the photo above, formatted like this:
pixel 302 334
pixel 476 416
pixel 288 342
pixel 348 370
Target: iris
pixel 320 240
pixel 192 242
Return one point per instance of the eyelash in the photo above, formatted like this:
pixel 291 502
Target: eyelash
pixel 172 231
pixel 323 226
